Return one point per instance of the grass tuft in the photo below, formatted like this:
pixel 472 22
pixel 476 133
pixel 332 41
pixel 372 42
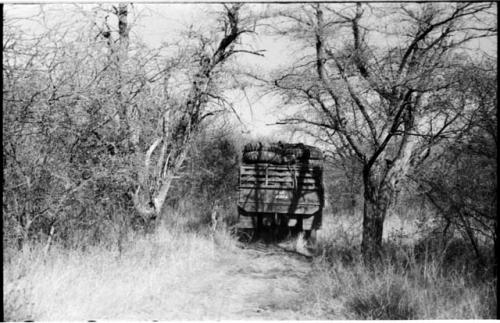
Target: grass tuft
pixel 416 279
pixel 382 300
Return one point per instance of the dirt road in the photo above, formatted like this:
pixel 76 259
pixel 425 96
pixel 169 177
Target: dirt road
pixel 196 279
pixel 266 284
pixel 255 282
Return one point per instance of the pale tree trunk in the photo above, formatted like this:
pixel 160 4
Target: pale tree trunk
pixel 125 114
pixel 129 125
pixel 130 122
pixel 182 126
pixel 126 120
pixel 157 183
pixel 174 148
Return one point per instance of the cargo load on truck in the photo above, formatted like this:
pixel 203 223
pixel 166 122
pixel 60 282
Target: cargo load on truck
pixel 281 185
pixel 281 154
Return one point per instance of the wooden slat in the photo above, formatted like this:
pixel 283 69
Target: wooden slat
pixel 276 184
pixel 287 184
pixel 273 173
pixel 269 196
pixel 308 187
pixel 267 200
pixel 279 180
pixel 279 208
pixel 286 175
pixel 291 175
pixel 277 168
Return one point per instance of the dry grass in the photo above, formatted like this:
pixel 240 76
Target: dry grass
pixel 159 276
pixel 182 271
pixel 414 280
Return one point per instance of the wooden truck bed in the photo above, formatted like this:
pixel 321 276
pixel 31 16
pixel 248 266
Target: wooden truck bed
pixel 284 189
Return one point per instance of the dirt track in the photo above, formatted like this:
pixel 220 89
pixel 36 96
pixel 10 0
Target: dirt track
pixel 255 282
pixel 266 284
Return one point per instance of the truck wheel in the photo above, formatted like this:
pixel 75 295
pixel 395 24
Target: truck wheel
pixel 246 235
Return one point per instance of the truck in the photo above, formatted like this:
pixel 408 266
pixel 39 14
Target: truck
pixel 280 186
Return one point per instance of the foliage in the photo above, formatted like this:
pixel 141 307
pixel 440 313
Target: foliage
pixel 383 104
pixel 82 104
pixel 62 156
pixel 419 278
pixel 459 177
pixel 210 176
pixel 343 185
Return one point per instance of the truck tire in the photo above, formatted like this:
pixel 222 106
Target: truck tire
pixel 246 235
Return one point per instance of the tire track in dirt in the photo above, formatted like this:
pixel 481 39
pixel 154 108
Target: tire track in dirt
pixel 264 283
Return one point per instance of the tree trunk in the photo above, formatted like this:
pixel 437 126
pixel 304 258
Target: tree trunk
pixel 381 183
pixel 373 223
pixel 129 123
pixel 376 201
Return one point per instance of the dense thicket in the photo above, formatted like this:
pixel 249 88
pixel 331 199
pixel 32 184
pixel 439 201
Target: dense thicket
pixel 83 103
pixel 459 179
pixel 210 178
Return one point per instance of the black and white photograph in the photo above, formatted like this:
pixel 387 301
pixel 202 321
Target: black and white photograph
pixel 256 161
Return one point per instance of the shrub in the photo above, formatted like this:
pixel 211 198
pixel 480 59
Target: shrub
pixel 415 279
pixel 386 300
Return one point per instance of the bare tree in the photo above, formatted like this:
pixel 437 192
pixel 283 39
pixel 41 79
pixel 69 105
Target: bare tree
pixel 181 120
pixel 63 88
pixel 385 105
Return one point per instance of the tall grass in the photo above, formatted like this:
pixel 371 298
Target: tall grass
pixel 157 276
pixel 414 280
pixel 176 272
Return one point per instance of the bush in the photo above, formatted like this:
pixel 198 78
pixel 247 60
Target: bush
pixel 210 179
pixel 416 279
pixel 385 300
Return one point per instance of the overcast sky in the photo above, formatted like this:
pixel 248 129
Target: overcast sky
pixel 160 21
pixel 156 23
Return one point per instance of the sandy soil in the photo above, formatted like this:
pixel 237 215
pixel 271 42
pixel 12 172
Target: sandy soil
pixel 265 284
pixel 254 282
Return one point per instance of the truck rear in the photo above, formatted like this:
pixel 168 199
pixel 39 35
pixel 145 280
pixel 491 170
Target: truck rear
pixel 281 185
